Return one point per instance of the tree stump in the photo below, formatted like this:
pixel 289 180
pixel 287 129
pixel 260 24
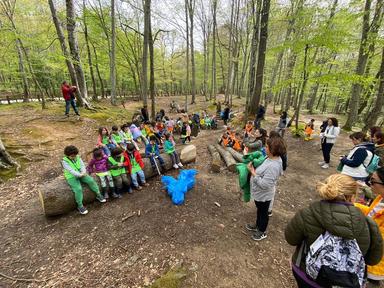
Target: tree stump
pixel 57 198
pixel 228 159
pixel 216 159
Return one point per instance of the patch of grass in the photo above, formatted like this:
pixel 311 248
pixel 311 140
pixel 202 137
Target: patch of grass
pixel 20 105
pixel 172 279
pixel 299 132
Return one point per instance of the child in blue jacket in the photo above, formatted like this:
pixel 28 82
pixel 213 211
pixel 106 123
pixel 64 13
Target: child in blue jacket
pixel 152 151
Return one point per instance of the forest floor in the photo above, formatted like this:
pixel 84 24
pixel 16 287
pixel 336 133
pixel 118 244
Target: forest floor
pixel 199 240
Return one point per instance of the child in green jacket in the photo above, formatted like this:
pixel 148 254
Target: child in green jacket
pixel 169 148
pixel 75 174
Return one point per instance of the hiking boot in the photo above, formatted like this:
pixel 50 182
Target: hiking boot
pixel 321 163
pixel 175 166
pixel 270 213
pixel 180 165
pixel 101 199
pixel 251 227
pixel 325 166
pixel 258 236
pixel 82 210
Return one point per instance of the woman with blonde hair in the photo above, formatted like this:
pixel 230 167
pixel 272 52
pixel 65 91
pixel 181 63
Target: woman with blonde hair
pixel 336 215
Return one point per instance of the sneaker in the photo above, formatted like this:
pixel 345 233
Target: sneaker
pixel 115 195
pixel 321 163
pixel 82 210
pixel 138 188
pixel 130 191
pixel 175 166
pixel 78 114
pixel 251 227
pixel 258 236
pixel 106 195
pixel 325 166
pixel 270 213
pixel 66 115
pixel 101 199
pixel 180 165
pixel 145 184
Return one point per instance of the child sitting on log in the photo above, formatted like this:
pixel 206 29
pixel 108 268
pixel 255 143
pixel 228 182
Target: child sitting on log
pixel 99 166
pixel 75 174
pixel 104 141
pixel 116 137
pixel 135 166
pixel 237 143
pixel 169 148
pixel 308 130
pixel 127 136
pixel 152 151
pixel 117 166
pixel 248 129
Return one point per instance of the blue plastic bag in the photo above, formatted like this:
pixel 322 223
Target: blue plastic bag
pixel 188 177
pixel 168 183
pixel 176 188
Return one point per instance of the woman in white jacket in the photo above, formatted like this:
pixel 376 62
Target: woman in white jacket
pixel 328 139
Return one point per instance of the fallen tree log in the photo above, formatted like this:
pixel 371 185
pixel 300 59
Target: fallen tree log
pixel 236 155
pixel 57 198
pixel 228 159
pixel 216 159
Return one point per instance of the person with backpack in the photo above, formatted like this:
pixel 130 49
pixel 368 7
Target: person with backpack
pixel 356 163
pixel 375 211
pixel 378 139
pixel 333 222
pixel 328 139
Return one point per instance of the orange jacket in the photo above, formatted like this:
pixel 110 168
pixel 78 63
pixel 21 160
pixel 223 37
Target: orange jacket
pixel 248 128
pixel 237 145
pixel 378 217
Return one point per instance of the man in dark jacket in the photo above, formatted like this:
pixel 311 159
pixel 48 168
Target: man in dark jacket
pixel 144 113
pixel 69 97
pixel 259 116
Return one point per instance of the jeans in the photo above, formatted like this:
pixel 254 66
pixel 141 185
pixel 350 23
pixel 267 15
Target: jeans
pixel 175 158
pixel 134 177
pixel 326 147
pixel 75 184
pixel 121 180
pixel 68 103
pixel 153 163
pixel 262 215
pixel 257 123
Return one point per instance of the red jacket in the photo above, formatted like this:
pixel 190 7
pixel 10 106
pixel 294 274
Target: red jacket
pixel 67 90
pixel 127 162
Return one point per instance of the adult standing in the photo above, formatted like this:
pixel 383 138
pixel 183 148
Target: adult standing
pixel 337 215
pixel 69 97
pixel 226 112
pixel 263 185
pixel 283 123
pixel 144 113
pixel 328 139
pixel 376 212
pixel 259 116
pixel 355 163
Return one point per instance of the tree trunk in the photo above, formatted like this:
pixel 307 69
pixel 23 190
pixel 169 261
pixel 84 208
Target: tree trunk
pixel 98 72
pixel 151 65
pixel 368 36
pixel 74 48
pixel 86 36
pixel 187 55
pixel 213 79
pixel 256 97
pixel 228 84
pixel 228 159
pixel 379 103
pixel 216 163
pixel 113 54
pixel 191 9
pixel 144 65
pixel 57 198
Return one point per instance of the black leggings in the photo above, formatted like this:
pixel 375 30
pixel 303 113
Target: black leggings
pixel 262 215
pixel 326 147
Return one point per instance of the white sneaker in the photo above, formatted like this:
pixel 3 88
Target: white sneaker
pixel 175 166
pixel 321 163
pixel 325 166
pixel 180 165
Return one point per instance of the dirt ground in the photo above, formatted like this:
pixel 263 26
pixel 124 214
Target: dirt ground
pixel 101 250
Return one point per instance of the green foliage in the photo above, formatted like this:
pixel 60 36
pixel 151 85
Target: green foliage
pixel 172 279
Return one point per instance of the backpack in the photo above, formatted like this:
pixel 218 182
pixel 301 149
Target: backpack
pixel 373 164
pixel 334 261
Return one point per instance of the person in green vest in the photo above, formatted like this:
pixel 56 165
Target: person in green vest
pixel 75 174
pixel 117 165
pixel 169 148
pixel 127 136
pixel 135 167
pixel 116 137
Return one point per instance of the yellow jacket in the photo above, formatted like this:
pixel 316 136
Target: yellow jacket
pixel 378 217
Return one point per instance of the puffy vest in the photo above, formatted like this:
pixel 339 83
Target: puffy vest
pixel 117 138
pixel 75 165
pixel 105 140
pixel 119 170
pixel 360 171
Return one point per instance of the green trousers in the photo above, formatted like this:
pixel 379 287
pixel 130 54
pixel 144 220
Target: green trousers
pixel 75 184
